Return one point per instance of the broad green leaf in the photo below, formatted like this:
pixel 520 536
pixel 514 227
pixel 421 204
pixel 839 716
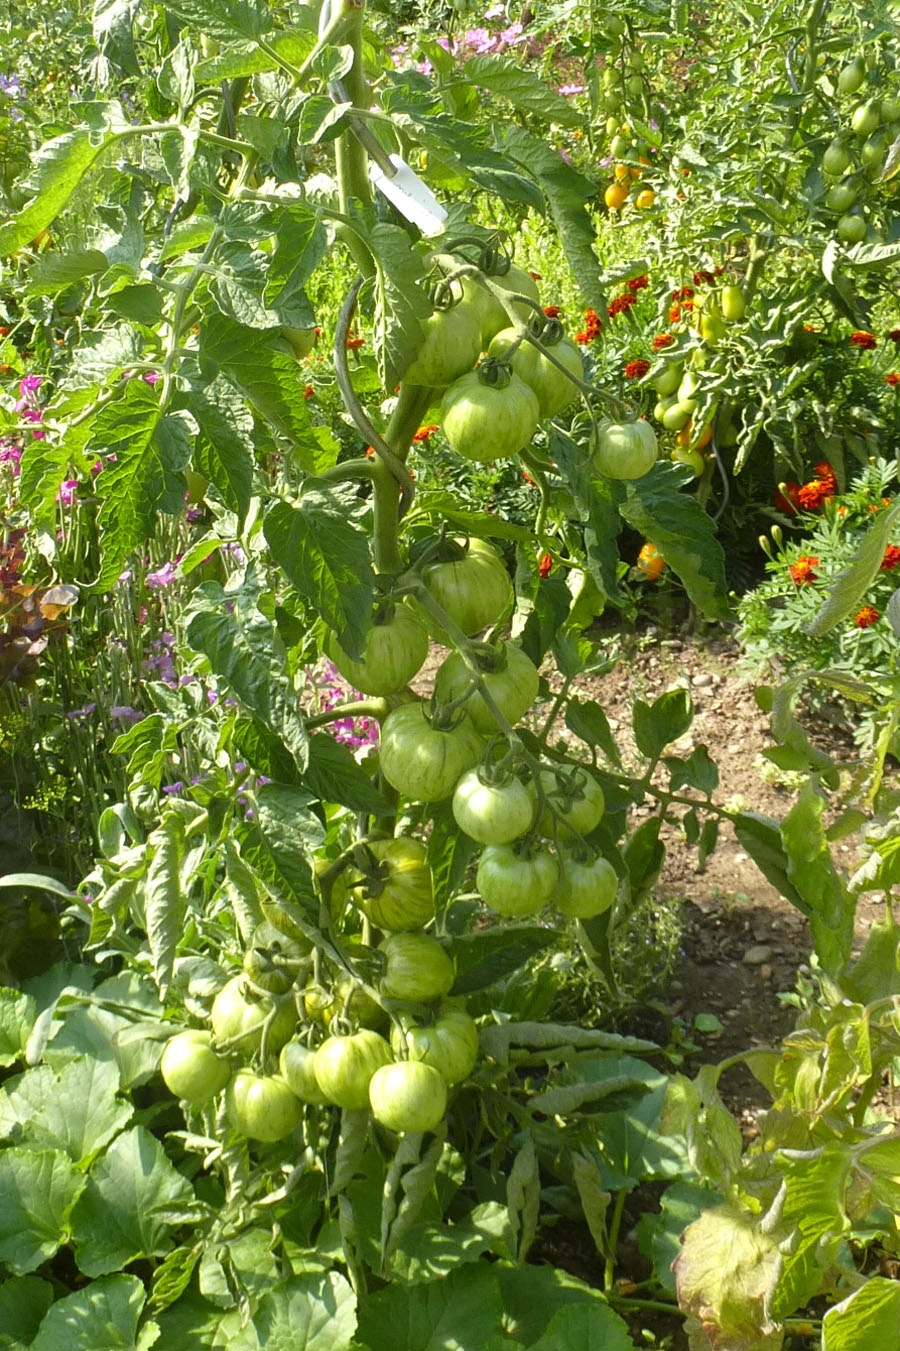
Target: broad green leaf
pixel 23 1302
pixel 278 847
pixel 264 751
pixel 134 1197
pixel 463 1310
pixel 38 1189
pixel 326 557
pixel 17 1014
pixel 812 872
pixel 401 306
pixel 590 1327
pixel 53 272
pixel 333 775
pixel 635 1149
pixel 659 1234
pixel 485 957
pixel 761 837
pixel 223 452
pixel 588 721
pixel 550 604
pixel 533 1296
pixel 725 1275
pixel 498 1040
pixel 571 1097
pixel 300 245
pixel 523 1198
pixel 526 91
pixel 658 724
pixel 163 897
pixel 644 855
pixel 868 1318
pixel 683 533
pixel 594 1198
pixel 59 167
pixel 308 1313
pixel 73 1109
pixel 696 770
pixel 814 1210
pixel 850 586
pixel 225 19
pixel 132 485
pixel 435 1248
pixel 102 1317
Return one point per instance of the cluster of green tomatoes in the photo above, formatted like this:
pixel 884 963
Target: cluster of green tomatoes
pixel 857 157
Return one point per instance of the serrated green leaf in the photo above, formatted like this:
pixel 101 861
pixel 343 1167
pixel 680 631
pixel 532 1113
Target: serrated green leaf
pixel 867 1318
pixel 224 448
pixel 464 1309
pixel 102 1317
pixel 333 775
pixel 38 1189
pixel 23 1302
pixel 74 1108
pixel 488 956
pixel 658 724
pixel 53 272
pixel 164 901
pixel 300 245
pixel 225 19
pixel 130 486
pixel 401 306
pixel 505 75
pixel 59 167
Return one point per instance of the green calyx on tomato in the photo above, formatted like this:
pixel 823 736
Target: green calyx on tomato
pixel 393 884
pixel 509 675
pixel 554 390
pixel 489 413
pixel 421 758
pixel 491 810
pixel 449 1043
pixel 417 968
pixel 516 880
pixel 588 885
pixel 344 1067
pixel 237 1018
pixel 408 1096
pixel 627 450
pixel 573 802
pixel 395 648
pixel 262 1106
pixel 190 1067
pixel 469 580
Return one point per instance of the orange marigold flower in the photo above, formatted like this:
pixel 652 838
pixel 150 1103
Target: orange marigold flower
pixel 825 472
pixel 894 335
pixel 891 558
pixel 638 283
pixel 620 305
pixel 354 341
pixel 662 340
pixel 424 433
pixel 551 311
pixel 864 341
pixel 683 293
pixel 535 276
pixel 370 452
pixel 866 617
pixel 704 277
pixel 892 379
pixel 814 494
pixel 634 370
pixel 803 571
pixel 787 501
pixel 309 391
pixel 545 566
pixel 4 330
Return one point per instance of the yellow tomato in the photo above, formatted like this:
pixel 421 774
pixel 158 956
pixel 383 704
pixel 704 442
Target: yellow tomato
pixel 645 199
pixel 615 196
pixel 650 562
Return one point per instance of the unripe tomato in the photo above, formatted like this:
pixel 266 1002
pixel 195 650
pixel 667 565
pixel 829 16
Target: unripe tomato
pixel 866 118
pixel 687 390
pixel 474 588
pixel 852 76
pixel 851 229
pixel 662 406
pixel 408 1096
pixel 510 677
pixel 261 1106
pixel 554 390
pixel 262 967
pixel 300 340
pixel 417 968
pixel 890 109
pixel 676 416
pixel 400 894
pixel 625 450
pixel 734 307
pixel 650 562
pixel 874 153
pixel 586 888
pixel 668 380
pixel 344 1067
pixel 420 759
pixel 449 1044
pixel 692 458
pixel 297 1064
pixel 491 314
pixel 836 158
pixel 515 881
pixel 619 147
pixel 395 649
pixel 713 328
pixel 450 347
pixel 321 1005
pixel 237 1017
pixel 486 421
pixel 190 1067
pixel 492 813
pixel 841 196
pixel 574 802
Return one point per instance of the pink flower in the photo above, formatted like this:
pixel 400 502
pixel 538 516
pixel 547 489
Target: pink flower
pixel 162 577
pixel 68 491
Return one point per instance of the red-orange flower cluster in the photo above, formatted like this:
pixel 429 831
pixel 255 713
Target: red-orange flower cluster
pixel 803 571
pixel 866 617
pixel 308 391
pixel 551 311
pixel 864 341
pixel 818 490
pixel 424 433
pixel 638 283
pixel 683 293
pixel 892 379
pixel 662 340
pixel 621 305
pixel 787 501
pixel 591 328
pixel 545 566
pixel 704 277
pixel 636 369
pixel 891 558
pixel 354 341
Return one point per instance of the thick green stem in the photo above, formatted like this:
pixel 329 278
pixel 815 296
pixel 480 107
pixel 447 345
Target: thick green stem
pixel 350 157
pixel 412 402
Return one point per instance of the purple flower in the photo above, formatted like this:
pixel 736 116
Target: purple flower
pixel 480 40
pixel 10 453
pixel 9 84
pixel 170 789
pixel 162 577
pixel 68 491
pixel 570 89
pixel 29 384
pixel 515 33
pixel 150 377
pixel 123 713
pixel 81 712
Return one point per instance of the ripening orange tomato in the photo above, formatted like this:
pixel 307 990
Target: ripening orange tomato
pixel 615 196
pixel 650 562
pixel 645 199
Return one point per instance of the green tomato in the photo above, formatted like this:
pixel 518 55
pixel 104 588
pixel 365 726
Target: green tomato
pixel 586 888
pixel 554 390
pixel 668 380
pixel 190 1067
pixel 395 649
pixel 626 450
pixel 734 306
pixel 474 588
pixel 297 1064
pixel 510 677
pixel 516 881
pixel 451 345
pixel 300 340
pixel 492 316
pixel 866 118
pixel 398 894
pixel 237 1017
pixel 422 761
pixel 851 77
pixel 344 1067
pixel 841 196
pixel 574 802
pixel 676 416
pixel 449 1044
pixel 408 1096
pixel 417 968
pixel 836 158
pixel 492 813
pixel 851 229
pixel 485 421
pixel 261 1106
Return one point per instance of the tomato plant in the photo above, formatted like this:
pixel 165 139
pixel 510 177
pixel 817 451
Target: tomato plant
pixel 509 677
pixel 393 887
pixel 395 648
pixel 449 1043
pixel 489 413
pixel 408 1095
pixel 628 450
pixel 588 885
pixel 471 584
pixel 190 1067
pixel 417 969
pixel 261 1106
pixel 516 880
pixel 423 760
pixel 344 1066
pixel 492 812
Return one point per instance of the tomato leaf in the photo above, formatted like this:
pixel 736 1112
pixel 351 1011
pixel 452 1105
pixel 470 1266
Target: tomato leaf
pixel 223 452
pixel 489 956
pixel 333 775
pixel 526 91
pixel 658 724
pixel 401 305
pixel 849 587
pixel 59 167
